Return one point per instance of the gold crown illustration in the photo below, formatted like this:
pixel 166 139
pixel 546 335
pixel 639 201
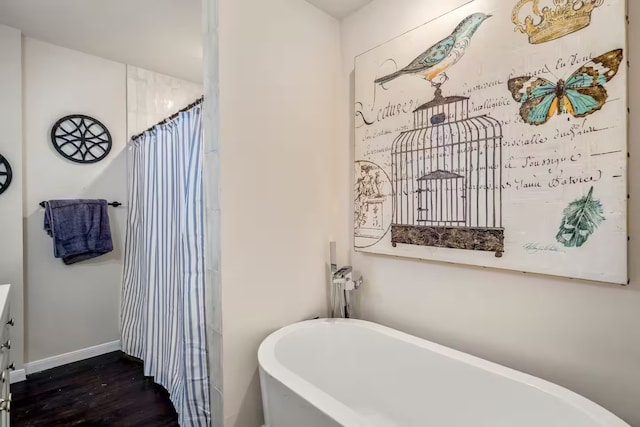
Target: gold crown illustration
pixel 550 23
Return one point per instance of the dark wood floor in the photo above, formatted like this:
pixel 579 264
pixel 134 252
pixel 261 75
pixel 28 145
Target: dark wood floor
pixel 103 391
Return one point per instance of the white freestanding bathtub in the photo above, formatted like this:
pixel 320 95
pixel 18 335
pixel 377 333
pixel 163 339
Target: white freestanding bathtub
pixel 328 373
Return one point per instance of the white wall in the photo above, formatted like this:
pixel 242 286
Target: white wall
pixel 11 256
pixel 581 335
pixel 152 97
pixel 70 307
pixel 279 63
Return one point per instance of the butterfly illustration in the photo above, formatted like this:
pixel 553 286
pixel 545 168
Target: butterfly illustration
pixel 582 94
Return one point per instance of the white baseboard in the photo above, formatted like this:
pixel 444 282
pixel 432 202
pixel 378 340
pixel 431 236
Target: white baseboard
pixel 63 359
pixel 17 376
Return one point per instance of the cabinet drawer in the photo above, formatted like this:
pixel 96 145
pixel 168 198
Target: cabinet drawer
pixel 5 356
pixel 5 334
pixel 5 410
pixel 6 384
pixel 4 318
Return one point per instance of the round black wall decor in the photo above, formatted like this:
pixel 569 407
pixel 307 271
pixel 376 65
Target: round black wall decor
pixel 5 174
pixel 81 139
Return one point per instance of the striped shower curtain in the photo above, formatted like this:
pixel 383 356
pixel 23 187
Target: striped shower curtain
pixel 163 300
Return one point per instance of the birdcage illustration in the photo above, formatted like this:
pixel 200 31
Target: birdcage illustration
pixel 447 179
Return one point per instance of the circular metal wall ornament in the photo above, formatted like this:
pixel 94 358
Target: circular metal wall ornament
pixel 5 174
pixel 81 139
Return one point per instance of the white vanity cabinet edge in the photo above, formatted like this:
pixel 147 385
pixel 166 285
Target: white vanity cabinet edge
pixel 6 365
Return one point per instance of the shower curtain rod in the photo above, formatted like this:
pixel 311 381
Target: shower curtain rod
pixel 173 116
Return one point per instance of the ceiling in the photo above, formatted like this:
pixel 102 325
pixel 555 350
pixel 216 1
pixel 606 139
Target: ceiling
pixel 339 8
pixel 159 35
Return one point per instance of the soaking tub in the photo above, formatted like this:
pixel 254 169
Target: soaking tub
pixel 328 373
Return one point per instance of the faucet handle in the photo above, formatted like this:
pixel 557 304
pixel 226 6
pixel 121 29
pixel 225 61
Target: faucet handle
pixel 358 282
pixel 352 284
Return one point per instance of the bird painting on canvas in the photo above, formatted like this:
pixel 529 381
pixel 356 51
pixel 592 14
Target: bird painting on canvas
pixel 433 63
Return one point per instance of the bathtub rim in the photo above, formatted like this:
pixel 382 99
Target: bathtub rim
pixel 324 402
pixel 344 415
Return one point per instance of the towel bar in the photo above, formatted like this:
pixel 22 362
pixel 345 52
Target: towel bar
pixel 114 204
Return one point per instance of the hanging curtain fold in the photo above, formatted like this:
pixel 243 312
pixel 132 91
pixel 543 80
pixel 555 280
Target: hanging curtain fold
pixel 163 298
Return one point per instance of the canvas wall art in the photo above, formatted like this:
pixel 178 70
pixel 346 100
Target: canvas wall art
pixel 496 136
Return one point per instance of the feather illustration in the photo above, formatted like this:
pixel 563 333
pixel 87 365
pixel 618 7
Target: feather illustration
pixel 580 220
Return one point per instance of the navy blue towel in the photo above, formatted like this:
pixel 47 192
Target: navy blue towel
pixel 80 229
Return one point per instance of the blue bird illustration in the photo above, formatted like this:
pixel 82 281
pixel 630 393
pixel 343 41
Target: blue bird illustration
pixel 435 61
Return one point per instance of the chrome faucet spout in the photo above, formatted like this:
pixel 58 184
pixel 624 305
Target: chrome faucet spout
pixel 343 272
